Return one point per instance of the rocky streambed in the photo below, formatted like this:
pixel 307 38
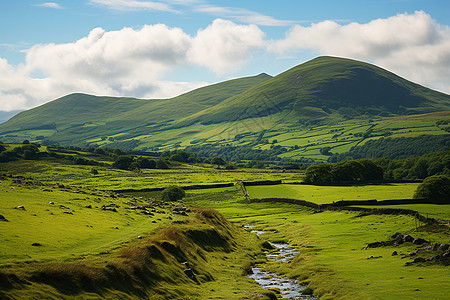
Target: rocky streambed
pixel 288 288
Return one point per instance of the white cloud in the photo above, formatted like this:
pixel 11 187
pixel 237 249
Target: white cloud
pixel 127 62
pixel 242 15
pixel 50 5
pixel 411 45
pixel 125 5
pixel 224 46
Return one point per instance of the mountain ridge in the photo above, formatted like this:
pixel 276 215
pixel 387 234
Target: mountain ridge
pixel 322 91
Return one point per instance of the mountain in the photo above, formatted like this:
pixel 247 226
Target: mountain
pixel 324 85
pixel 251 112
pixel 6 115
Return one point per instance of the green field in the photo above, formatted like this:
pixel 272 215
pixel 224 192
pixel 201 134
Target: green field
pixel 331 256
pixel 59 248
pixel 329 194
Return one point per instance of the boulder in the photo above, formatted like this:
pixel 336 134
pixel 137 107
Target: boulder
pixel 397 235
pixel 2 218
pixel 394 253
pixel 408 239
pixel 189 273
pixel 419 241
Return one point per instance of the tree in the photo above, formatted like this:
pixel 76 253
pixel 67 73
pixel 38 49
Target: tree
pixel 122 162
pixel 178 157
pixel 218 161
pixel 161 164
pixel 26 142
pixel 434 187
pixel 172 193
pixel 145 163
pixel 99 151
pixel 318 174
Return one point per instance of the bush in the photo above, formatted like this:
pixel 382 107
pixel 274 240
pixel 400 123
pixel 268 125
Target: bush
pixel 173 193
pixel 161 164
pixel 434 187
pixel 122 162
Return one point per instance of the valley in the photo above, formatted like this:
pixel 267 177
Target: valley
pixel 341 162
pixel 139 245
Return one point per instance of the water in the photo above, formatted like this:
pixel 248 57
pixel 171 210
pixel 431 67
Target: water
pixel 289 288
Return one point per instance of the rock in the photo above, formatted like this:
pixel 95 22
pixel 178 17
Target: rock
pixel 139 237
pixel 397 235
pixel 109 208
pixel 408 239
pixel 190 274
pixel 21 207
pixel 51 202
pixel 36 244
pixel 373 245
pixel 186 264
pixel 436 246
pixel 394 253
pixel 2 217
pixel 88 206
pixel 444 247
pixel 419 241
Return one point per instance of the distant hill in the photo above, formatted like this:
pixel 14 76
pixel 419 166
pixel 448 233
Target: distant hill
pixel 6 115
pixel 327 102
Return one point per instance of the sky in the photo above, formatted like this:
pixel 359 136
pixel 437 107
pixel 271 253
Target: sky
pixel 162 48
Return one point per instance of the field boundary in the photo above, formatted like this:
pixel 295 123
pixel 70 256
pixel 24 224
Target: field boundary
pixel 189 187
pixel 331 207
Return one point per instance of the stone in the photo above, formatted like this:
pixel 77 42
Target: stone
pixel 3 218
pixel 444 247
pixel 190 274
pixel 394 253
pixel 408 239
pixel 397 235
pixel 436 246
pixel 419 241
pixel 51 202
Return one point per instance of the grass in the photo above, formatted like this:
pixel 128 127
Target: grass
pixel 76 260
pixel 330 194
pixel 331 257
pixel 91 230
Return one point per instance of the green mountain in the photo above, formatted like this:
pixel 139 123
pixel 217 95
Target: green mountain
pixel 324 85
pixel 327 102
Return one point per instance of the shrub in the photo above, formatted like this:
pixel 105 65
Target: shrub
pixel 434 187
pixel 173 193
pixel 122 162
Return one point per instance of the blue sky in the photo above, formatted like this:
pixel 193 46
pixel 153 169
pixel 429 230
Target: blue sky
pixel 153 49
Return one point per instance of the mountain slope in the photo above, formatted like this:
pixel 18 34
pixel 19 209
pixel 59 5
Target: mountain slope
pixel 119 114
pixel 322 86
pixel 328 102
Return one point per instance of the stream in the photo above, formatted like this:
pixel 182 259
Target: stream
pixel 289 288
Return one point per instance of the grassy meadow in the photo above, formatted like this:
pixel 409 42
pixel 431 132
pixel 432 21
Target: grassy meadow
pixel 332 259
pixel 329 194
pixel 62 245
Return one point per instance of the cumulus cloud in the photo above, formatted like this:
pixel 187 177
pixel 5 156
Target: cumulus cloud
pixel 50 5
pixel 411 45
pixel 127 62
pixel 224 46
